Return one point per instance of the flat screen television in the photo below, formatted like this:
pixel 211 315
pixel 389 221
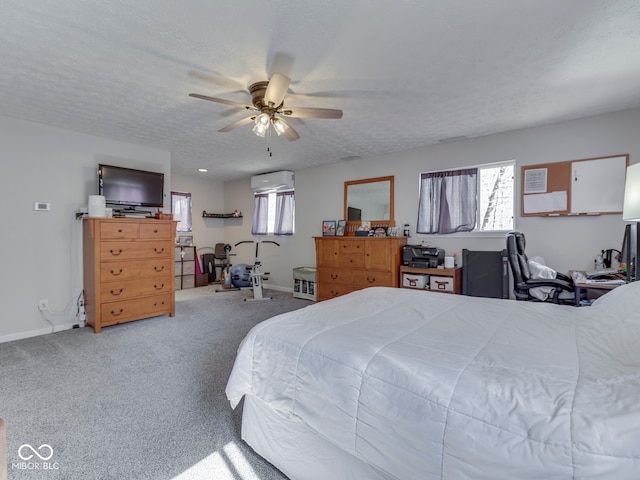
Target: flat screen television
pixel 130 188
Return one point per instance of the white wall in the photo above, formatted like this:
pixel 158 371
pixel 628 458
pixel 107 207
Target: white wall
pixel 565 242
pixel 206 195
pixel 42 251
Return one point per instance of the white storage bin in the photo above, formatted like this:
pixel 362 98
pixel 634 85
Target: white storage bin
pixel 304 283
pixel 442 284
pixel 415 280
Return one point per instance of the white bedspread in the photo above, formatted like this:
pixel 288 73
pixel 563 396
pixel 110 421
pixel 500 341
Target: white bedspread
pixel 427 385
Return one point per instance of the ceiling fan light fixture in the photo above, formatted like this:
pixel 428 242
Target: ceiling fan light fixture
pixel 279 126
pixel 263 119
pixel 260 129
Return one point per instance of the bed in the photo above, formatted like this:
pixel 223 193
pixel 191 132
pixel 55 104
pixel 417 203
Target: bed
pixel 388 383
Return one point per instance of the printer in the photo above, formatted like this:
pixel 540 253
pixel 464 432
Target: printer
pixel 422 257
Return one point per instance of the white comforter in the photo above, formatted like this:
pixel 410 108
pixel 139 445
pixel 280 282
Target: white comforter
pixel 427 385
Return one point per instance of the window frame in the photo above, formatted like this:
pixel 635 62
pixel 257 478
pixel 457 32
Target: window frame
pixel 190 211
pixel 270 211
pixel 476 232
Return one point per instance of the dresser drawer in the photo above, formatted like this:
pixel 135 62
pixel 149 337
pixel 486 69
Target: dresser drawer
pixel 328 276
pixel 351 261
pixel 119 230
pixel 125 289
pixel 133 250
pixel 351 246
pixel 156 230
pixel 334 290
pixel 126 310
pixel 373 278
pixel 158 268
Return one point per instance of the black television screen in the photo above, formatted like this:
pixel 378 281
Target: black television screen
pixel 130 187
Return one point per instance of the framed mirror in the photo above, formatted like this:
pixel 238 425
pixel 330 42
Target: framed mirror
pixel 369 199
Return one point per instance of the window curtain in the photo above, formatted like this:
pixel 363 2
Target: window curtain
pixel 285 213
pixel 260 222
pixel 448 201
pixel 181 209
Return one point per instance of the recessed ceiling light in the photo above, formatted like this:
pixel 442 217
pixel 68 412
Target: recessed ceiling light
pixel 203 170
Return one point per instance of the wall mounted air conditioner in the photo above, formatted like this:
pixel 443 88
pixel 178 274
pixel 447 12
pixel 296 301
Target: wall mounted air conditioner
pixel 267 182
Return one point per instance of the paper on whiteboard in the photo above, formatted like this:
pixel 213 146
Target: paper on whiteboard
pixel 535 180
pixel 545 202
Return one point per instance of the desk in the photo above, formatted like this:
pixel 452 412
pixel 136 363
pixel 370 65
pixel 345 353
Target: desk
pixel 582 285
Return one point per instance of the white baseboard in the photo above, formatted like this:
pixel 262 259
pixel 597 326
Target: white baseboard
pixel 279 288
pixel 35 333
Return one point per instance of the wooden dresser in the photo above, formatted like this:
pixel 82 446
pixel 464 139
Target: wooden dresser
pixel 346 264
pixel 128 269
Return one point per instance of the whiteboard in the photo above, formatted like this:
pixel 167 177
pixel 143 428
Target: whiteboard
pixel 597 186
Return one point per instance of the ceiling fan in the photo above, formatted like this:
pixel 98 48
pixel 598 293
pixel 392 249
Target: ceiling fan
pixel 268 103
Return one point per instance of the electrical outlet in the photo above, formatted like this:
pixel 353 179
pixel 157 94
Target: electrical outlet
pixel 43 305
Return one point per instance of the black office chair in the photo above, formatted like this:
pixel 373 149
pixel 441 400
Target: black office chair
pixel 562 286
pixel 213 261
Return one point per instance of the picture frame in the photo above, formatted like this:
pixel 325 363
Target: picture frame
pixel 342 225
pixel 328 228
pixel 185 240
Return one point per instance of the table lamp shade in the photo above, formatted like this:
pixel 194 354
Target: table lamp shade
pixel 631 208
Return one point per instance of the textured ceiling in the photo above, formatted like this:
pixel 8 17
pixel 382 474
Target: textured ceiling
pixel 406 73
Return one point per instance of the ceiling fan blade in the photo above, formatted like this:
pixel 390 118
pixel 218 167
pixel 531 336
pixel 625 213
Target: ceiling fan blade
pixel 289 132
pixel 239 123
pixel 302 112
pixel 277 89
pixel 221 100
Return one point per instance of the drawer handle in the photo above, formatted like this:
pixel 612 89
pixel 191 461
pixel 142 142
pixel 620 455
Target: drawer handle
pixel 155 249
pixel 155 231
pixel 334 276
pixel 119 230
pixel 117 314
pixel 158 287
pixel 112 252
pixel 156 304
pixel 114 273
pixel 371 279
pixel 116 294
pixel 158 270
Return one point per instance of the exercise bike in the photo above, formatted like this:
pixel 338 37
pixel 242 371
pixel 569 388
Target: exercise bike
pixel 244 276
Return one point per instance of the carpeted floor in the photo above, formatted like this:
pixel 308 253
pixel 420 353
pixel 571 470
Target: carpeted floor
pixel 143 400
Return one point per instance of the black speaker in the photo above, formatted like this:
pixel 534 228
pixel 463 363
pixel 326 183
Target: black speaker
pixel 485 274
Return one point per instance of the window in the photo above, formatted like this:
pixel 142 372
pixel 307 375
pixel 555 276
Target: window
pixel 465 200
pixel 181 209
pixel 274 213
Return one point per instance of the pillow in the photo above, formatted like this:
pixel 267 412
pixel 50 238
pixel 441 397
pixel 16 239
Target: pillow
pixel 623 296
pixel 540 270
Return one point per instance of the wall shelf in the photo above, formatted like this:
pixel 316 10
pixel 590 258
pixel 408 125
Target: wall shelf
pixel 221 215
